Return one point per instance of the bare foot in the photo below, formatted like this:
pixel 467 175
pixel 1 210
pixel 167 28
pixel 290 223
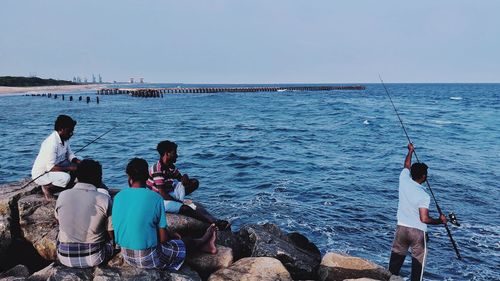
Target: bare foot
pixel 46 192
pixel 209 245
pixel 208 233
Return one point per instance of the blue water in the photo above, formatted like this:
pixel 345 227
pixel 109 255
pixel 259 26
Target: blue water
pixel 322 163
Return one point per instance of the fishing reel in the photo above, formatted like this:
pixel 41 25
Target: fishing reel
pixel 453 219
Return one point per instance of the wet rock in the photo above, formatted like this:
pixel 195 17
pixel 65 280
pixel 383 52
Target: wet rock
pixel 19 272
pixel 205 264
pixel 253 269
pixel 38 224
pixel 296 253
pixel 340 267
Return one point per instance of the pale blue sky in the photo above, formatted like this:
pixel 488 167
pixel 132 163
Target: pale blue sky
pixel 234 41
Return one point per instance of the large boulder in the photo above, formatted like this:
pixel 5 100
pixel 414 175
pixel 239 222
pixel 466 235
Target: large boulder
pixel 205 264
pixel 38 224
pixel 337 267
pixel 9 217
pixel 298 255
pixel 253 269
pixel 186 226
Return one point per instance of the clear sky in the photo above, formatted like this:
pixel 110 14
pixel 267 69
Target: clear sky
pixel 236 41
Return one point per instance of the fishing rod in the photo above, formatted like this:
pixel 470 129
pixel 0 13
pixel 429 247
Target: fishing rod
pixel 100 136
pixel 452 216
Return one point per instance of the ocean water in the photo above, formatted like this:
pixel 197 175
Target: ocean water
pixel 325 164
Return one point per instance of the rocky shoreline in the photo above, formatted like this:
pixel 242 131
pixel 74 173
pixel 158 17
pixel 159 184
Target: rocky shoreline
pixel 28 232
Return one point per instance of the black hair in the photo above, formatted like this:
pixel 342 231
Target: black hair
pixel 418 170
pixel 166 146
pixel 63 122
pixel 137 170
pixel 89 171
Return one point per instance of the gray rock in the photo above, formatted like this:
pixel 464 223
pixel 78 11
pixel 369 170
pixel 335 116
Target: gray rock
pixel 38 224
pixel 298 255
pixel 205 264
pixel 186 226
pixel 9 215
pixel 63 273
pixel 18 272
pixel 340 267
pixel 133 273
pixel 253 269
pixel 44 274
pixel 232 240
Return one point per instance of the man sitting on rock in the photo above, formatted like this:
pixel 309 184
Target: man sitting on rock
pixel 166 179
pixel 141 227
pixel 85 231
pixel 55 159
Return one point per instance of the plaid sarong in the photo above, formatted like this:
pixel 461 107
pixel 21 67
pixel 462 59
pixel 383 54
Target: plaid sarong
pixel 169 256
pixel 84 255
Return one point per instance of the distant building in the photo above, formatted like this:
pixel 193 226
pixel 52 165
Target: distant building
pixel 93 79
pixel 132 80
pixel 100 79
pixel 141 80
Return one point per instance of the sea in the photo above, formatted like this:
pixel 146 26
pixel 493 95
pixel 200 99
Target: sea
pixel 322 163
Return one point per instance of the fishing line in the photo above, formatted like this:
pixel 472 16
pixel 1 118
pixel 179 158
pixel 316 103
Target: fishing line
pixel 79 150
pixel 452 216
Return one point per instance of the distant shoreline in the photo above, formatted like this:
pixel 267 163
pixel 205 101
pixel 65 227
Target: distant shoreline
pixel 5 91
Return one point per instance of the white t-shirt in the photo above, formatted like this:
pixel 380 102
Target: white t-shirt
pixel 412 196
pixel 52 152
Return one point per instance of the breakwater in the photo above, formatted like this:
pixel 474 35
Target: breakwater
pixel 158 92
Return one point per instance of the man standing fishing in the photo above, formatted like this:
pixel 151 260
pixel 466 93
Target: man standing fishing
pixel 56 160
pixel 413 218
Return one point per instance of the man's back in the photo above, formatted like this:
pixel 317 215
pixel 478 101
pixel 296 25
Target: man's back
pixel 84 214
pixel 412 196
pixel 137 213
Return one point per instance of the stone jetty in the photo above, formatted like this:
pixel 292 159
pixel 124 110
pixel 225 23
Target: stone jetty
pixel 28 232
pixel 158 92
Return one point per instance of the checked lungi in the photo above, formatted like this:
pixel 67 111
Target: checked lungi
pixel 84 255
pixel 169 256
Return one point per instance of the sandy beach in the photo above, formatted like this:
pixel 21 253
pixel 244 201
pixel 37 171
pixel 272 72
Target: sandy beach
pixel 49 89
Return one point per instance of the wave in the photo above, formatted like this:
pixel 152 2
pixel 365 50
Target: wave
pixel 456 98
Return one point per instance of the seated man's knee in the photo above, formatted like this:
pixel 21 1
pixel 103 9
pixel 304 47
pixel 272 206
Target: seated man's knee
pixel 193 185
pixel 61 179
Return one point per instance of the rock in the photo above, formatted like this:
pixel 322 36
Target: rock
pixel 340 267
pixel 44 274
pixel 253 269
pixel 38 224
pixel 232 240
pixel 9 217
pixel 205 264
pixel 186 226
pixel 298 255
pixel 19 272
pixel 133 273
pixel 63 273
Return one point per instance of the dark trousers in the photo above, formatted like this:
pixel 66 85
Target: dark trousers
pixel 404 239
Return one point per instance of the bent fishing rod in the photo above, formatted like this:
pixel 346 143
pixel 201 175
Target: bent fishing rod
pixel 452 216
pixel 100 136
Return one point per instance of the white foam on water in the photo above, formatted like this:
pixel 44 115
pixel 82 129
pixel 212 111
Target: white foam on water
pixel 455 98
pixel 442 122
pixel 366 122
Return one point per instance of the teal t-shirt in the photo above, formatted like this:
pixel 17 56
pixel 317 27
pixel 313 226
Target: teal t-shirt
pixel 137 214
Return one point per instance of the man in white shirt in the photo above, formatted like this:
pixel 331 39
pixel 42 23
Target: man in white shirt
pixel 56 160
pixel 413 218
